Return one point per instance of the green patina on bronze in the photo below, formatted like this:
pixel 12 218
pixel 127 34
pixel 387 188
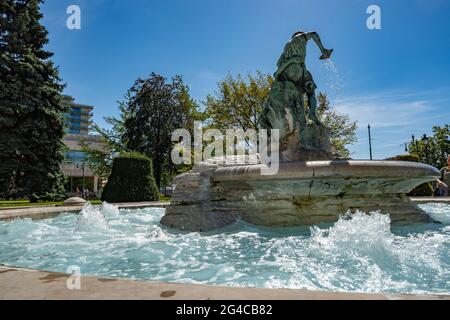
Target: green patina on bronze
pixel 302 135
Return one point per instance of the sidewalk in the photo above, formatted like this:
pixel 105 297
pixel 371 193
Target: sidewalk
pixel 27 284
pixel 430 199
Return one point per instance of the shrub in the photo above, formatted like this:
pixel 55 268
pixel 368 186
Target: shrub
pixel 425 189
pixel 406 157
pixel 131 179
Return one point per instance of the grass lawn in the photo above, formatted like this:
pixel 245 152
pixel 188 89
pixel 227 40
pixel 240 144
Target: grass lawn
pixel 26 203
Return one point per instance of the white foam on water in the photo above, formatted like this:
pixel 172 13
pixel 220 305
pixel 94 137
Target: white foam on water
pixel 109 210
pixel 360 252
pixel 91 219
pixel 384 261
pixel 361 234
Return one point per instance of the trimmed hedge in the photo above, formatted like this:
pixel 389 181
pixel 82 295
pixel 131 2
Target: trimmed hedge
pixel 425 189
pixel 131 180
pixel 406 157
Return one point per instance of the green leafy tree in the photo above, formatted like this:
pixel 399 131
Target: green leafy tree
pixel 239 101
pixel 100 160
pixel 434 153
pixel 117 138
pixel 155 108
pixel 342 129
pixel 31 112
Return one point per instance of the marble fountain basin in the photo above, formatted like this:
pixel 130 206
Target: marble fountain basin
pixel 213 196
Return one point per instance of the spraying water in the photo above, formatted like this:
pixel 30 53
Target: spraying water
pixel 91 218
pixel 109 210
pixel 334 80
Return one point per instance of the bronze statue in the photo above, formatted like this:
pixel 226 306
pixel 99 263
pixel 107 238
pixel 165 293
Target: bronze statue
pixel 285 109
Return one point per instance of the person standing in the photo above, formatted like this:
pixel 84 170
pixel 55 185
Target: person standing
pixel 444 181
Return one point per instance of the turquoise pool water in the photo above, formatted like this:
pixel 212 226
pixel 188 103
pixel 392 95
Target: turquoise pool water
pixel 360 253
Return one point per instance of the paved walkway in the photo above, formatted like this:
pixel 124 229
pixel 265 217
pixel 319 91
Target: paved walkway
pixel 41 212
pixel 430 199
pixel 18 283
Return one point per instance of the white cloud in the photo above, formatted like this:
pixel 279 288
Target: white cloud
pixel 393 109
pixel 385 114
pixel 394 117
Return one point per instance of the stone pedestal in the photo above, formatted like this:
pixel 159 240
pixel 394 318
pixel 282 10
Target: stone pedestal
pixel 301 193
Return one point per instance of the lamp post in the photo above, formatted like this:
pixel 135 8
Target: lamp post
pixel 82 170
pixel 426 143
pixel 370 141
pixel 414 142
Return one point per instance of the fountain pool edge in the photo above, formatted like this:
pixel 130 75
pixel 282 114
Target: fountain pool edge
pixel 29 284
pixel 45 212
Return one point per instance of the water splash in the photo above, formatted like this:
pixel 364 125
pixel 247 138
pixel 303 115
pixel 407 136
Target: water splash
pixel 360 233
pixel 91 219
pixel 334 80
pixel 109 210
pixel 360 252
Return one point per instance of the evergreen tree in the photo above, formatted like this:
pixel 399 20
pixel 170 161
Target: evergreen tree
pixel 31 113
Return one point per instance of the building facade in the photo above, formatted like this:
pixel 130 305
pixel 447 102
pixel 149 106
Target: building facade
pixel 81 179
pixel 79 118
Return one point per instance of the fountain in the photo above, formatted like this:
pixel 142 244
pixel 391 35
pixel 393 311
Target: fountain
pixel 311 186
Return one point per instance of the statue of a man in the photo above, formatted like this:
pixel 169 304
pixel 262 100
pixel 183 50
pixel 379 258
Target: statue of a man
pixel 284 108
pixel 291 67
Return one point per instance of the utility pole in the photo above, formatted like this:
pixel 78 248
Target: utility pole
pixel 370 142
pixel 83 179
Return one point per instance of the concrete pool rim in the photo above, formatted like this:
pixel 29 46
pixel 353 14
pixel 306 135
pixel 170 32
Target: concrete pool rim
pixel 31 284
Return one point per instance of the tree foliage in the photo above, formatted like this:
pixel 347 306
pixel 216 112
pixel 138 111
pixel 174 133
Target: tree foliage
pixel 434 153
pixel 31 112
pixel 239 101
pixel 100 161
pixel 156 108
pixel 342 129
pixel 152 108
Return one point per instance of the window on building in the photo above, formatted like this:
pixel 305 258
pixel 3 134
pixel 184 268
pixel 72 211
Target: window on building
pixel 74 156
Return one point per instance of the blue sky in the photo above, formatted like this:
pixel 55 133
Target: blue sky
pixel 397 78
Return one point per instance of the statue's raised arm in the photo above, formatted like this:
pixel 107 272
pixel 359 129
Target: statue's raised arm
pixel 326 53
